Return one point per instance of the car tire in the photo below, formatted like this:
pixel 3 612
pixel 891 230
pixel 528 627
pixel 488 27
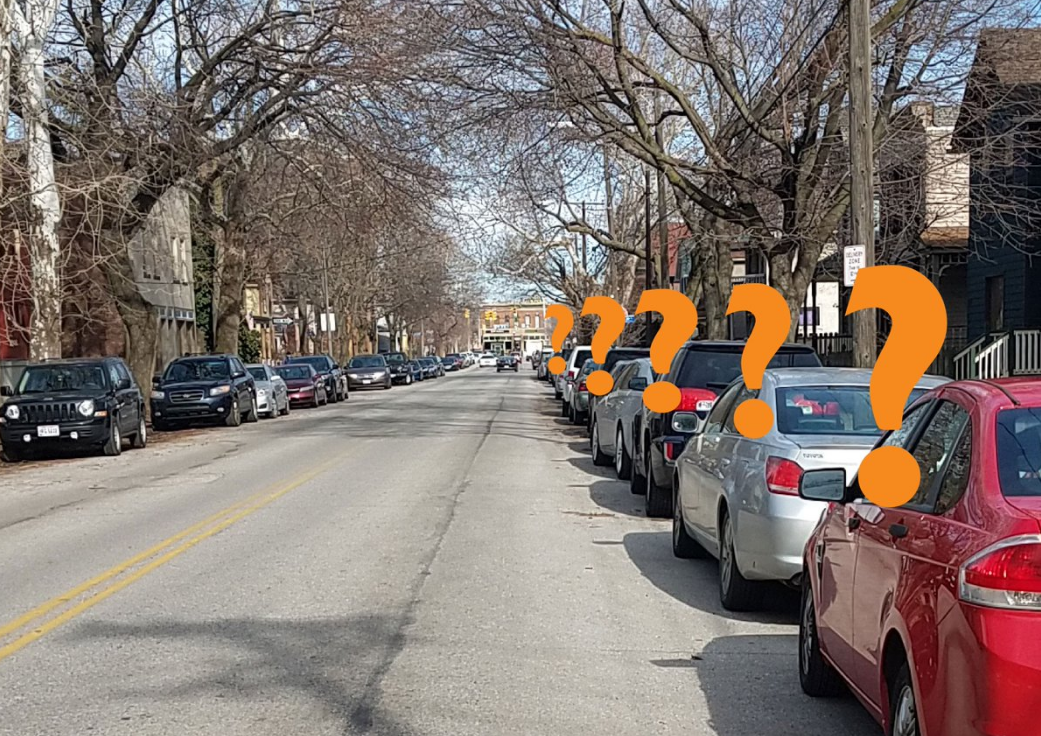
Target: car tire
pixel 572 415
pixel 10 455
pixel 599 456
pixel 623 462
pixel 657 500
pixel 408 380
pixel 563 409
pixel 254 414
pixel 317 401
pixel 637 483
pixel 140 438
pixel 285 410
pixel 234 417
pixel 903 705
pixel 817 678
pixel 331 398
pixel 736 592
pixel 558 395
pixel 684 546
pixel 114 445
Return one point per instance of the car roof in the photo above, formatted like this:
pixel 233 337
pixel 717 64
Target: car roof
pixel 70 361
pixel 739 345
pixel 837 377
pixel 1024 390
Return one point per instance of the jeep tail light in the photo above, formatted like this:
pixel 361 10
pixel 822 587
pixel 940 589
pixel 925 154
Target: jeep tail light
pixel 1004 575
pixel 696 399
pixel 672 449
pixel 783 476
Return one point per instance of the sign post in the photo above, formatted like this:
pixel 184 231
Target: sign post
pixel 854 258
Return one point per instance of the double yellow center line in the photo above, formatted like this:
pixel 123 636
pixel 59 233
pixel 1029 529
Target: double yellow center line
pixel 138 566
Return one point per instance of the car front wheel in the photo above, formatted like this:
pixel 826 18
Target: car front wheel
pixel 114 445
pixel 234 417
pixel 140 438
pixel 254 414
pixel 817 678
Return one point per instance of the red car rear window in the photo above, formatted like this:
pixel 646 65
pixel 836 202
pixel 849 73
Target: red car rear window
pixel 1019 451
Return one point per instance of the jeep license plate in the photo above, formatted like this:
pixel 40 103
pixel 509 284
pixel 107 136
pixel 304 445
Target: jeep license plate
pixel 48 430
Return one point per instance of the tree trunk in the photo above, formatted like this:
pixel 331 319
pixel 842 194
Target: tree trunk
pixel 6 26
pixel 45 205
pixel 228 312
pixel 140 323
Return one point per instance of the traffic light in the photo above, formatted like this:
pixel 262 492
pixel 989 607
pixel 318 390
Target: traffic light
pixel 466 314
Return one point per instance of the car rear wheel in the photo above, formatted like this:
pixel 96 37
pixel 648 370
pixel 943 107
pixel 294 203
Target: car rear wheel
pixel 599 456
pixel 140 438
pixel 331 397
pixel 736 592
pixel 623 463
pixel 637 483
pixel 817 678
pixel 903 716
pixel 563 408
pixel 114 445
pixel 657 500
pixel 684 546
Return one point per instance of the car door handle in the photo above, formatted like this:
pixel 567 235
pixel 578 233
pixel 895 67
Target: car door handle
pixel 897 531
pixel 853 522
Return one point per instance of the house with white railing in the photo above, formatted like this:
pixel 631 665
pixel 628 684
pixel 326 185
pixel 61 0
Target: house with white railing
pixel 999 127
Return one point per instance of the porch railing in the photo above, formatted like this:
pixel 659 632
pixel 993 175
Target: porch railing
pixel 1001 354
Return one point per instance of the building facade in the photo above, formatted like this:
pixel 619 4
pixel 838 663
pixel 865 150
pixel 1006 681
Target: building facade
pixel 514 327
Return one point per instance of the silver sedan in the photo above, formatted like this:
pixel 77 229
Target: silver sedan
pixel 737 499
pixel 272 394
pixel 611 434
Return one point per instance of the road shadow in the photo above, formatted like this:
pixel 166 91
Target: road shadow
pixel 751 687
pixel 696 582
pixel 338 663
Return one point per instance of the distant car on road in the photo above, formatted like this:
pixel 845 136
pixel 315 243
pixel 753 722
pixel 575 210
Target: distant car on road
pixel 204 387
pixel 507 363
pixel 369 371
pixel 931 611
pixel 452 363
pixel 566 380
pixel 305 385
pixel 737 498
pixel 272 393
pixel 400 372
pixel 419 370
pixel 334 377
pixel 487 360
pixel 86 402
pixel 432 367
pixel 577 406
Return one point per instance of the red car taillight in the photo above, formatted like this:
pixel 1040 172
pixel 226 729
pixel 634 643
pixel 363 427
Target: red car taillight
pixel 695 399
pixel 1005 575
pixel 582 386
pixel 783 476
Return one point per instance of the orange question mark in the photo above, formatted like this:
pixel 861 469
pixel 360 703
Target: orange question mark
pixel 612 322
pixel 889 476
pixel 565 321
pixel 753 417
pixel 679 320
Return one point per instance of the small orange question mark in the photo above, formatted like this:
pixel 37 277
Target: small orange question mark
pixel 679 320
pixel 612 322
pixel 889 476
pixel 753 417
pixel 565 321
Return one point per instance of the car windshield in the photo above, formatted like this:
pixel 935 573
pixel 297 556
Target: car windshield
pixel 58 378
pixel 198 370
pixel 396 358
pixel 258 373
pixel 294 372
pixel 367 361
pixel 716 369
pixel 448 359
pixel 318 362
pixel 565 353
pixel 829 410
pixel 618 355
pixel 1019 451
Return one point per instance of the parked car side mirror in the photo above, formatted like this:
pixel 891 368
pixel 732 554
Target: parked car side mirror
pixel 156 380
pixel 638 384
pixel 124 384
pixel 237 374
pixel 6 390
pixel 823 485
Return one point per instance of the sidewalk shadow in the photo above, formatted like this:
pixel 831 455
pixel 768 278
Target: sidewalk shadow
pixel 751 687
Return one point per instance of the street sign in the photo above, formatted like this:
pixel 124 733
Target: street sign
pixel 282 321
pixel 853 257
pixel 328 321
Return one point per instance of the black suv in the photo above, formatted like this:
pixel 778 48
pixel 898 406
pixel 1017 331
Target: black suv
pixel 88 402
pixel 701 370
pixel 203 387
pixel 400 371
pixel 334 377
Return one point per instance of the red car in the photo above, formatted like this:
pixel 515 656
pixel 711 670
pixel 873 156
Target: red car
pixel 931 612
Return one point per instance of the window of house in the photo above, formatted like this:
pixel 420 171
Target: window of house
pixel 995 303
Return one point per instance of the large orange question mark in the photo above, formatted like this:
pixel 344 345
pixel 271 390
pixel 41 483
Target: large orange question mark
pixel 565 321
pixel 679 320
pixel 612 322
pixel 753 417
pixel 889 476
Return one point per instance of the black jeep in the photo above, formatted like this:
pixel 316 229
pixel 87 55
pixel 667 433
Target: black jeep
pixel 84 402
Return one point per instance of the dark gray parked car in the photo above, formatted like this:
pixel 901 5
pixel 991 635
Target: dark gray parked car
pixel 369 371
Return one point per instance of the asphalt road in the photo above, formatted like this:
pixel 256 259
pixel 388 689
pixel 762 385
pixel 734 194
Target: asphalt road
pixel 442 559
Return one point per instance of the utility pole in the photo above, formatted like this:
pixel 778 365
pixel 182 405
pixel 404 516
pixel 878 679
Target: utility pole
pixel 608 194
pixel 585 250
pixel 647 283
pixel 325 297
pixel 862 168
pixel 663 223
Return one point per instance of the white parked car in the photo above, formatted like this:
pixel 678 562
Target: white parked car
pixel 486 361
pixel 565 381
